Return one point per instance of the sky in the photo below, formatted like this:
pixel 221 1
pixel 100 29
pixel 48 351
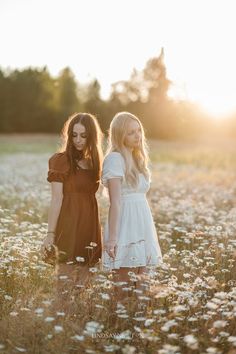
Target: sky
pixel 107 39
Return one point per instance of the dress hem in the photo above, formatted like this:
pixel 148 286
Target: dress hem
pixel 142 265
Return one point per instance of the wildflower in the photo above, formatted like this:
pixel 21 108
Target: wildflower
pixel 47 302
pixel 169 349
pixel 99 306
pixel 224 334
pixel 159 312
pixel 221 295
pixel 191 341
pixel 123 315
pixel 187 276
pixel 210 305
pixel 24 309
pixel 105 296
pixel 58 329
pixel 145 298
pixel 39 311
pixel 168 325
pixel 193 302
pixel 77 337
pixel 7 297
pixel 173 336
pixel 49 319
pixel 192 319
pixel 22 350
pixel 111 348
pixel 213 350
pixel 60 313
pixel 131 274
pixel 198 281
pixel 148 322
pixel 179 308
pixel 139 318
pixel 128 349
pixel 232 339
pixel 93 327
pixel 63 277
pixel 220 324
pixel 127 288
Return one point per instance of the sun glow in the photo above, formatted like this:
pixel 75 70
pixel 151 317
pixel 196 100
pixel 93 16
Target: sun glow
pixel 197 36
pixel 217 104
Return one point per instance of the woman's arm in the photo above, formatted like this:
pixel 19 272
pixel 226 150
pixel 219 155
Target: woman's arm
pixel 55 205
pixel 114 189
pixel 53 213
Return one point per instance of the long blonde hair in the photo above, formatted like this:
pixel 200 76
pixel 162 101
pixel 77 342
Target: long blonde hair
pixel 137 162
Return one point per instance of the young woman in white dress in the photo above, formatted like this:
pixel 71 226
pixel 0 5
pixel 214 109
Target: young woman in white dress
pixel 130 241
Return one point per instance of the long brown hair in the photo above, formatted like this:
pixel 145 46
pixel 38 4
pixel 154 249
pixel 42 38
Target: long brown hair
pixel 93 149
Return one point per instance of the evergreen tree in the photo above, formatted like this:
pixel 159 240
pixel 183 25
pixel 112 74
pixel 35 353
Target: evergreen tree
pixel 67 101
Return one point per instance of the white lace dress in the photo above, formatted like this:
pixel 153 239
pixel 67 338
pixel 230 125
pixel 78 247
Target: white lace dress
pixel 137 241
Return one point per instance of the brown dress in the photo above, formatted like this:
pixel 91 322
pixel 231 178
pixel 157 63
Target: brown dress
pixel 78 231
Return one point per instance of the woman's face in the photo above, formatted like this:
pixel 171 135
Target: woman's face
pixel 79 137
pixel 133 135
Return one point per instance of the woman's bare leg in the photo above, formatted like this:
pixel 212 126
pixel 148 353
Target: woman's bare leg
pixel 141 273
pixel 82 276
pixel 65 280
pixel 121 275
pixel 66 274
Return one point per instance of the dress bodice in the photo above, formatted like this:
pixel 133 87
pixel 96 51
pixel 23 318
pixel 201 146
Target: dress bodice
pixel 142 187
pixel 82 181
pixel 114 166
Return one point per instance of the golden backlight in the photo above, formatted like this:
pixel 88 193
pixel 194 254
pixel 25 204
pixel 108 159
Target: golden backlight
pixel 107 39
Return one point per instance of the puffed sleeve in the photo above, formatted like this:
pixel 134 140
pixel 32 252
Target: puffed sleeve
pixel 113 167
pixel 58 167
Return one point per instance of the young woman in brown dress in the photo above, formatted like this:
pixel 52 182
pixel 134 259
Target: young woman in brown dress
pixel 73 219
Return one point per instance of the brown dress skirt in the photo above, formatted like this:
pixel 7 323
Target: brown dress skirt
pixel 78 231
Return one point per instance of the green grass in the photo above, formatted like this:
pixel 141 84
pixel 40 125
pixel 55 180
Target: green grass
pixel 211 154
pixel 28 143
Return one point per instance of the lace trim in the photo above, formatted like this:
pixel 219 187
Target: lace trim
pixel 131 243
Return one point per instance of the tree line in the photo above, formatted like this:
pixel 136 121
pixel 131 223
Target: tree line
pixel 31 100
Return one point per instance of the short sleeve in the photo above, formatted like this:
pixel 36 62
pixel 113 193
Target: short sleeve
pixel 113 167
pixel 58 168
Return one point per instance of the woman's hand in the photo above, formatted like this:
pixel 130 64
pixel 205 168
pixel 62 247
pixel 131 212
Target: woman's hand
pixel 47 243
pixel 111 248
